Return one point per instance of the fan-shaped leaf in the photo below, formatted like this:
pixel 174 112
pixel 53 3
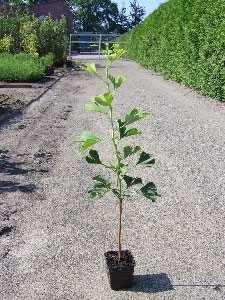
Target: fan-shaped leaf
pixel 149 191
pixel 130 181
pixel 134 116
pixel 133 131
pixel 90 68
pixel 87 140
pixel 93 157
pixel 96 108
pixel 100 188
pixel 116 81
pixel 146 160
pixel 129 150
pixel 105 100
pixel 103 179
pixel 124 132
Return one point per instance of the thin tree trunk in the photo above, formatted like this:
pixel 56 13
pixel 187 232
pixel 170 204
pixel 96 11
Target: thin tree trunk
pixel 120 229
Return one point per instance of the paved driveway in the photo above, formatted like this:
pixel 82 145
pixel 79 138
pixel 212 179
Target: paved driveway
pixel 53 236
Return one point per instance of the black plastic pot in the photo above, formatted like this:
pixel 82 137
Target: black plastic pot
pixel 120 275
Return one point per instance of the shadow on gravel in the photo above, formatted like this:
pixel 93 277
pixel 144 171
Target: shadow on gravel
pixel 11 187
pixel 155 283
pixel 216 287
pixel 152 283
pixel 6 231
pixel 10 168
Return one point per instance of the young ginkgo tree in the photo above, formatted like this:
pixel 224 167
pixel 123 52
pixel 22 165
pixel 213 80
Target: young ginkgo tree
pixel 120 129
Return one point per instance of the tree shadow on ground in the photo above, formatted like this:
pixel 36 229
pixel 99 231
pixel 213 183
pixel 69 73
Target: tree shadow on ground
pixel 12 168
pixel 10 187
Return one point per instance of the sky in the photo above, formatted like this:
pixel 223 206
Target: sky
pixel 149 5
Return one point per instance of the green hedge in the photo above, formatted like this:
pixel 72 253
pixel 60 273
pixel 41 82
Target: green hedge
pixel 23 32
pixel 184 40
pixel 23 67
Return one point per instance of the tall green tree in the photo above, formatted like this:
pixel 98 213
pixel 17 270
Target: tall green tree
pixel 122 20
pixel 94 15
pixel 14 3
pixel 105 16
pixel 137 13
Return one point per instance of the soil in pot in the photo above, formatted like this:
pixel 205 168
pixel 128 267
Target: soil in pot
pixel 120 274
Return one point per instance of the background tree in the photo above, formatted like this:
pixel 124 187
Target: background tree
pixel 137 13
pixel 15 3
pixel 94 15
pixel 105 16
pixel 122 20
pixel 29 2
pixel 98 15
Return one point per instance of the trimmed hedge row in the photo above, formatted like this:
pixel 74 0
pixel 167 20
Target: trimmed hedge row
pixel 184 40
pixel 23 66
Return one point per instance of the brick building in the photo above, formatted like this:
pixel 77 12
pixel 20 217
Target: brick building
pixel 56 9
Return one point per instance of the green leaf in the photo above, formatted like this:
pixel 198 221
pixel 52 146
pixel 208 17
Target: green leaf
pixel 134 116
pixel 127 193
pixel 116 81
pixel 90 68
pixel 116 193
pixel 87 145
pixel 146 160
pixel 105 100
pixel 86 135
pixel 113 53
pixel 113 166
pixel 149 191
pixel 100 188
pixel 87 139
pixel 97 191
pixel 122 170
pixel 108 98
pixel 113 56
pixel 103 179
pixel 123 130
pixel 96 108
pixel 133 131
pixel 128 151
pixel 130 181
pixel 93 158
pixel 117 52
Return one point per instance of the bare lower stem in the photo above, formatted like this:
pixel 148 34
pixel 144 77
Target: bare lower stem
pixel 119 230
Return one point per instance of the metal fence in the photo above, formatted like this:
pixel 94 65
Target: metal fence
pixel 90 43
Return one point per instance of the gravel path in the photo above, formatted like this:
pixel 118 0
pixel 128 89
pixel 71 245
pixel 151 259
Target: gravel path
pixel 52 236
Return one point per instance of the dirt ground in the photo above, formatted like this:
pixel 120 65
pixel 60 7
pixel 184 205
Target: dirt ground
pixel 14 100
pixel 52 236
